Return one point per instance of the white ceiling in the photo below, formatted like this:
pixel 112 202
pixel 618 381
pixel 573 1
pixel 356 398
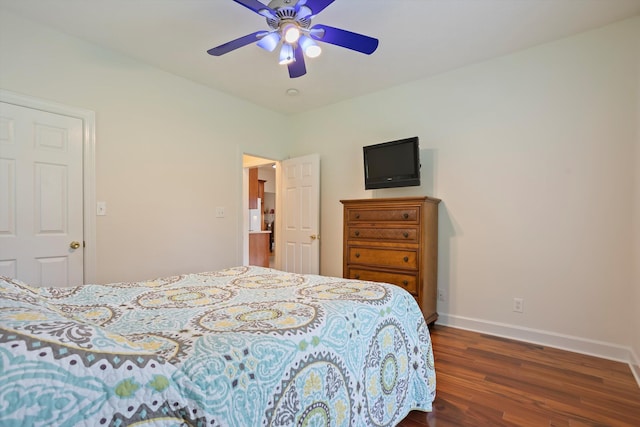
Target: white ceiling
pixel 418 38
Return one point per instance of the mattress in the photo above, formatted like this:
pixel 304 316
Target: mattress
pixel 245 346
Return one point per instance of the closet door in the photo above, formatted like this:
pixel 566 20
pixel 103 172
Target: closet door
pixel 41 196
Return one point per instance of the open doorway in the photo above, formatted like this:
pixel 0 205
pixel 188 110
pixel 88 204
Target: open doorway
pixel 259 219
pixel 296 216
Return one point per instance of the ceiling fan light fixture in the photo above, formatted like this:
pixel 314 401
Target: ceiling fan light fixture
pixel 310 48
pixel 270 41
pixel 290 33
pixel 286 54
pixel 290 30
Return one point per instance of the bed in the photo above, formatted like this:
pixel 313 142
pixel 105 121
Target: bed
pixel 245 346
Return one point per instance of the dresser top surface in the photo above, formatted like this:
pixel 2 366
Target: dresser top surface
pixel 386 200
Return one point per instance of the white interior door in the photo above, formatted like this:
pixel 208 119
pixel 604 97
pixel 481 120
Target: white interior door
pixel 299 241
pixel 41 196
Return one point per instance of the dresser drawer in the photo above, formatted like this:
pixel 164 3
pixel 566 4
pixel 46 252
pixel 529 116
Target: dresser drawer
pixel 407 281
pixel 405 234
pixel 409 214
pixel 400 258
pixel 394 240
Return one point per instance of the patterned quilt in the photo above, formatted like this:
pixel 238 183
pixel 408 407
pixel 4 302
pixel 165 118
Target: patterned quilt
pixel 246 346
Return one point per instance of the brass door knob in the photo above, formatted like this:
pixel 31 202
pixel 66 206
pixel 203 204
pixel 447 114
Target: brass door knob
pixel 314 237
pixel 74 245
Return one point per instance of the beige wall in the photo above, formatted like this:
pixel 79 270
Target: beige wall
pixel 533 157
pixel 168 151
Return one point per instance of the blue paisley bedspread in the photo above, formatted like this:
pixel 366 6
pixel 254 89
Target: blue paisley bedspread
pixel 246 346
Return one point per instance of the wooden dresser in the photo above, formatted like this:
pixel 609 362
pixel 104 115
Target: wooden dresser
pixel 394 240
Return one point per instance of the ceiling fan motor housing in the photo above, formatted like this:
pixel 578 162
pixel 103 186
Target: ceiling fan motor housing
pixel 276 4
pixel 286 12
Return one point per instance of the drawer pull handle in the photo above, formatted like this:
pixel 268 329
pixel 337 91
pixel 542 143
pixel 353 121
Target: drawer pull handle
pixel 405 282
pixel 406 259
pixel 357 276
pixel 405 234
pixel 357 233
pixel 357 254
pixel 405 215
pixel 357 216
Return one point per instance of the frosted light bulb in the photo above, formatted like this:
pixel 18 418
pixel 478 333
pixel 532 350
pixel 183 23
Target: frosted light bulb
pixel 291 33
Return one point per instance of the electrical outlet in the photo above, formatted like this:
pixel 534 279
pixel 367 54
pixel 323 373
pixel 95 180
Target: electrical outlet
pixel 441 295
pixel 518 305
pixel 220 212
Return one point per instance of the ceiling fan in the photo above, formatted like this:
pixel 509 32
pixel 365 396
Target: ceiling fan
pixel 290 28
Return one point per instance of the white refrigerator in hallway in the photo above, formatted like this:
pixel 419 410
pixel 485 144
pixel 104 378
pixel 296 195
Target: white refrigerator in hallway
pixel 255 217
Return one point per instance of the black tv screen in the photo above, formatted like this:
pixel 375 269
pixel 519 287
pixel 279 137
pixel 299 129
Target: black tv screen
pixel 392 164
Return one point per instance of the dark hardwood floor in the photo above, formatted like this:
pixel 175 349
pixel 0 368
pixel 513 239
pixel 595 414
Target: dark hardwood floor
pixel 482 380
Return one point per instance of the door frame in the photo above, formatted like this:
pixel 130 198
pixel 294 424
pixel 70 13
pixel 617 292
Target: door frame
pixel 88 119
pixel 258 160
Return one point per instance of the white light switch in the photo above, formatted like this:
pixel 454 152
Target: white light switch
pixel 220 212
pixel 101 208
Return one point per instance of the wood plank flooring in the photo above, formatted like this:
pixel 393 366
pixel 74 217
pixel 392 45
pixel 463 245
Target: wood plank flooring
pixel 482 380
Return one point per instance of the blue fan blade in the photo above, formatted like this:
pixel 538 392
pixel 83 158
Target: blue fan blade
pixel 297 67
pixel 317 6
pixel 257 7
pixel 235 44
pixel 344 38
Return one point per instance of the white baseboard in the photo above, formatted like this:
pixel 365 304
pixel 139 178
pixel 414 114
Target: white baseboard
pixel 635 366
pixel 595 348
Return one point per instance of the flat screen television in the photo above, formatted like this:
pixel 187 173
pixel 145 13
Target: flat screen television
pixel 392 164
